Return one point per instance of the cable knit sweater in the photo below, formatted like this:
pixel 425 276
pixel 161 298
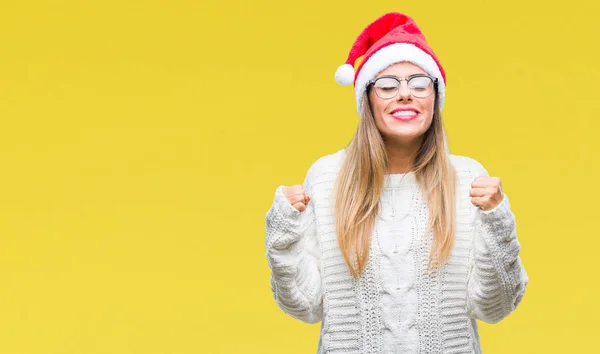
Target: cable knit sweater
pixel 396 306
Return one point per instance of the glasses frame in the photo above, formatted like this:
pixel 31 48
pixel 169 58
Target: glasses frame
pixel 434 80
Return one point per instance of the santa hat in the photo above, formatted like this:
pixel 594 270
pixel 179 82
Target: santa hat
pixel 390 39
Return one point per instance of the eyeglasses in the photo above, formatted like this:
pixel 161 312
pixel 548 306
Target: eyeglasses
pixel 420 85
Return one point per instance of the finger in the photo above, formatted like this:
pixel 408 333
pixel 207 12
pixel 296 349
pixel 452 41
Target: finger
pixel 477 192
pixel 476 201
pixel 306 199
pixel 482 192
pixel 480 182
pixel 299 206
pixel 294 189
pixel 485 181
pixel 480 202
pixel 297 198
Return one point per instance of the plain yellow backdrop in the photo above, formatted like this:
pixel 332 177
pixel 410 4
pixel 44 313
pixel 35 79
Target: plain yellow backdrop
pixel 142 141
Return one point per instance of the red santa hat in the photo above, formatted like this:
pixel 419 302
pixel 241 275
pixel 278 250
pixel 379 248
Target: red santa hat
pixel 390 39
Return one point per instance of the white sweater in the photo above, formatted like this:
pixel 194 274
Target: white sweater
pixel 396 306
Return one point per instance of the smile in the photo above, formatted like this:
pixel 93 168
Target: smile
pixel 404 115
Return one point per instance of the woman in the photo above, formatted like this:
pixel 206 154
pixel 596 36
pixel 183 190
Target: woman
pixel 395 244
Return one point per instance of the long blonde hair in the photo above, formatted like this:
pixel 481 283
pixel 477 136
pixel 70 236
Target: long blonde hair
pixel 361 180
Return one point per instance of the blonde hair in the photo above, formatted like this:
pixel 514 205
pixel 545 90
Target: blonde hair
pixel 361 180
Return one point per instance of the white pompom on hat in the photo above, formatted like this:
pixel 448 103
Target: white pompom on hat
pixel 345 75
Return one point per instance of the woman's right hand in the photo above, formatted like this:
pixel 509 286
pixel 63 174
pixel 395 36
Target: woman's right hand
pixel 296 197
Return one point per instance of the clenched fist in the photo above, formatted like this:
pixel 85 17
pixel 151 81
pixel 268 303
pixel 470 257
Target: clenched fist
pixel 486 192
pixel 296 196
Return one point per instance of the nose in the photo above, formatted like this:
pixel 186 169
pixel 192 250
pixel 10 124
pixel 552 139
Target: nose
pixel 404 92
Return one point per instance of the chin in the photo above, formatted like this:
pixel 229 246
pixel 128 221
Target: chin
pixel 405 134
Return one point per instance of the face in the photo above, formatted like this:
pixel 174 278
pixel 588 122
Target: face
pixel 404 118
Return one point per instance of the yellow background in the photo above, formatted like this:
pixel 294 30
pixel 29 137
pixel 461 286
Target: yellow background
pixel 141 143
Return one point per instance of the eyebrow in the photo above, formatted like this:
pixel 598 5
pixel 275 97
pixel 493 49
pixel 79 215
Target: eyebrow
pixel 408 77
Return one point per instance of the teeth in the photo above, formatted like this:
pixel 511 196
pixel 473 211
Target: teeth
pixel 405 113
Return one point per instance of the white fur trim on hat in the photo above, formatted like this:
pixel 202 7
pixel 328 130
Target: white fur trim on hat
pixel 344 75
pixel 392 54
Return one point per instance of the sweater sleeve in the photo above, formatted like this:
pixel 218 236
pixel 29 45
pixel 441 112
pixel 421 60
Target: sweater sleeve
pixel 293 257
pixel 497 280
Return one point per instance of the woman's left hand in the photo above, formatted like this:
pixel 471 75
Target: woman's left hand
pixel 486 192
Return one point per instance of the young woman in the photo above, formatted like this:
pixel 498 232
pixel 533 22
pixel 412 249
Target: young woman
pixel 395 244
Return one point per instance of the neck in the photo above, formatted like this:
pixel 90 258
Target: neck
pixel 401 156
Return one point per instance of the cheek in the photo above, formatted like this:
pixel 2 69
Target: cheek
pixel 431 104
pixel 428 121
pixel 429 111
